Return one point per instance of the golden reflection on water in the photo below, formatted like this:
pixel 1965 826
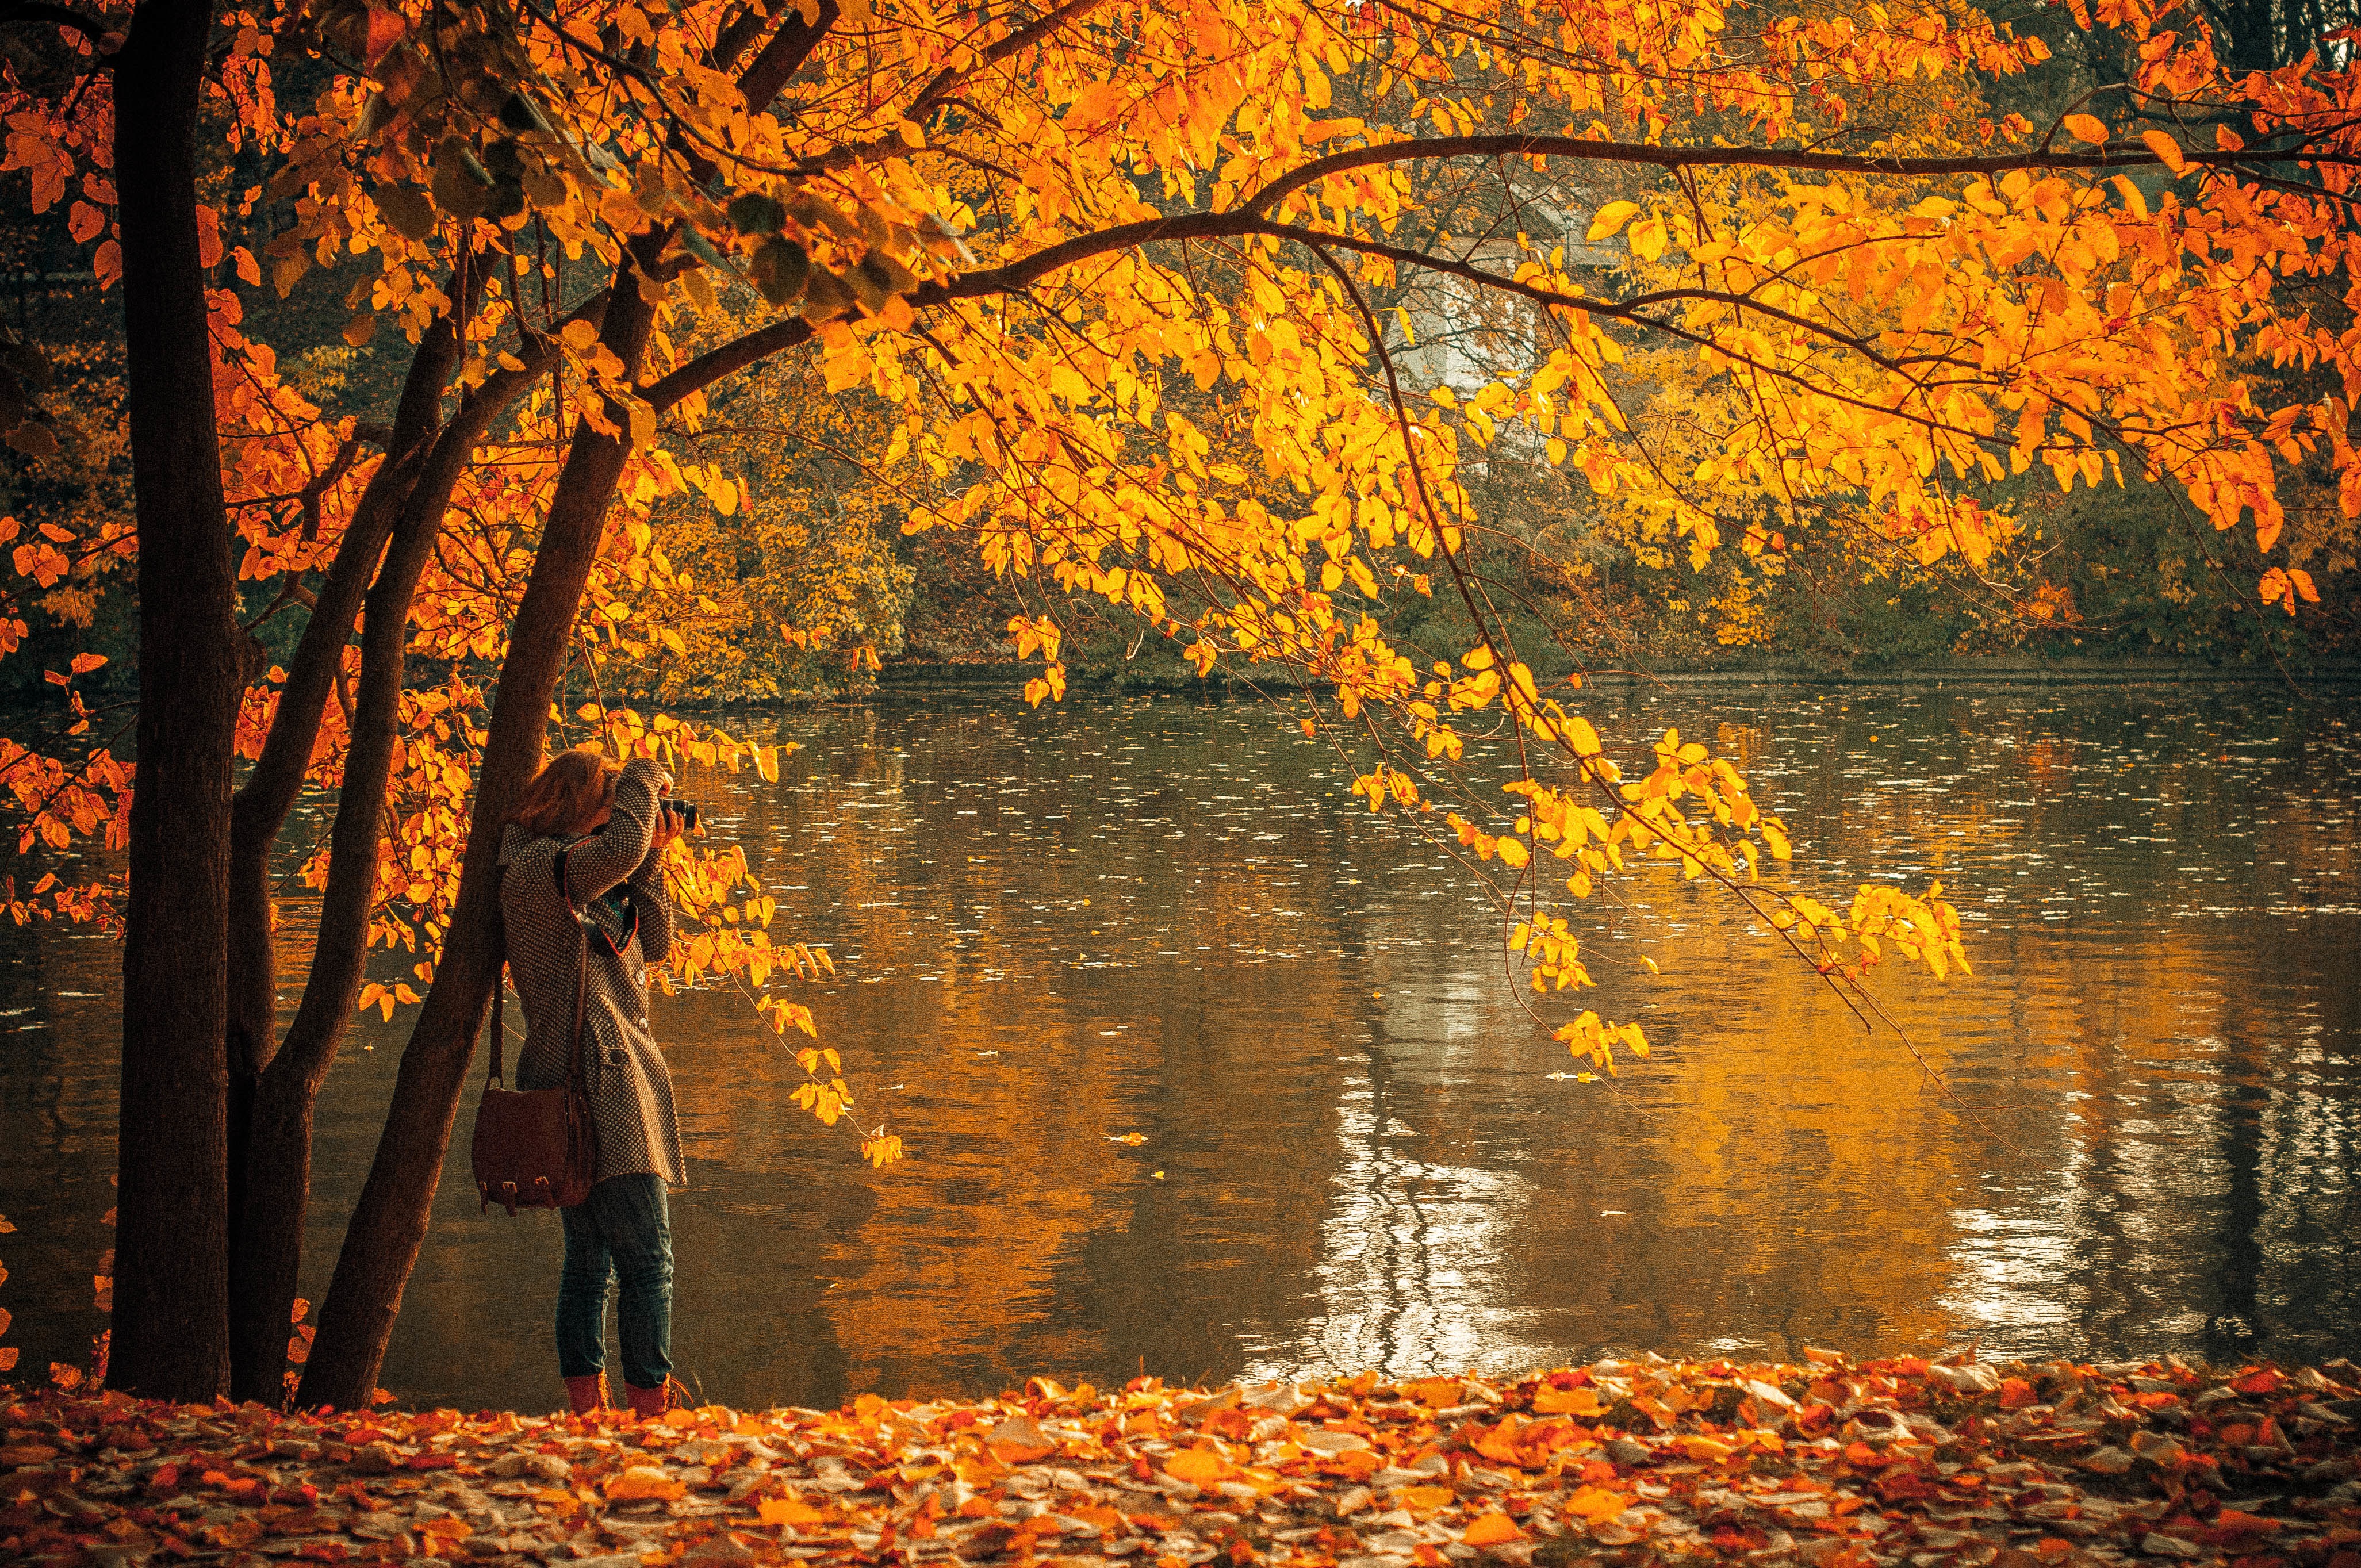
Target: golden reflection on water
pixel 2133 1131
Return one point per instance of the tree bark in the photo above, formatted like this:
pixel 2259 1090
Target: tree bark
pixel 171 1278
pixel 262 1261
pixel 275 780
pixel 278 1184
pixel 389 1224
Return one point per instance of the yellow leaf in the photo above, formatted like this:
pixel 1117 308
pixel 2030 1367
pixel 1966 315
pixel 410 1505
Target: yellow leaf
pixel 2087 128
pixel 1612 217
pixel 1199 1467
pixel 2165 149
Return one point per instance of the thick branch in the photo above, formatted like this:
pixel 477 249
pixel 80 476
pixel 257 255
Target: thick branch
pixel 260 807
pixel 767 74
pixel 1679 157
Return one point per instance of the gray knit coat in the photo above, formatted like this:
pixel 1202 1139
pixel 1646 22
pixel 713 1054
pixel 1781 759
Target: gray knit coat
pixel 624 1073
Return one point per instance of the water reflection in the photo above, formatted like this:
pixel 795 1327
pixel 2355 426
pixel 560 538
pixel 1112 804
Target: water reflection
pixel 1165 917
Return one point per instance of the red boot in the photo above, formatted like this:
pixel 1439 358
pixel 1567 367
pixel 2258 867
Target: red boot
pixel 646 1402
pixel 584 1395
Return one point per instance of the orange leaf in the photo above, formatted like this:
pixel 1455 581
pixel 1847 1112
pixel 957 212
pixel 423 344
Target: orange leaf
pixel 1500 1443
pixel 1199 1467
pixel 385 30
pixel 2165 148
pixel 1019 1440
pixel 788 1510
pixel 1567 1402
pixel 643 1483
pixel 1492 1530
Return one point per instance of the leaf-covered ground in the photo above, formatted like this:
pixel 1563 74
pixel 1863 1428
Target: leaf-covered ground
pixel 1622 1463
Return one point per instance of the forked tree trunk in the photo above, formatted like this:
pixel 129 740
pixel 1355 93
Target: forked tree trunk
pixel 172 1274
pixel 406 501
pixel 389 1223
pixel 279 1178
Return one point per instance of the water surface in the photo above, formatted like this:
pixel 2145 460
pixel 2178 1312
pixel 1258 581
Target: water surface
pixel 1165 917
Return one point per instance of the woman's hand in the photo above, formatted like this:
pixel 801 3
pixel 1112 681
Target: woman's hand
pixel 668 825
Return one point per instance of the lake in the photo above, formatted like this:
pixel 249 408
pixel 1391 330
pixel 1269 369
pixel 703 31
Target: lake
pixel 1164 917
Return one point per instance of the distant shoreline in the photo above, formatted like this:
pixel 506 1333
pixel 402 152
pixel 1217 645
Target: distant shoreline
pixel 2005 669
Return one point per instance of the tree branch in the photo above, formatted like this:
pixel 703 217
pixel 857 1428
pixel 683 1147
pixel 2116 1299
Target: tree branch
pixel 93 31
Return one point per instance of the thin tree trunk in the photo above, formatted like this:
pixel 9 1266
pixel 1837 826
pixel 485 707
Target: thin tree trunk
pixel 263 1261
pixel 279 1182
pixel 171 1277
pixel 389 1224
pixel 277 778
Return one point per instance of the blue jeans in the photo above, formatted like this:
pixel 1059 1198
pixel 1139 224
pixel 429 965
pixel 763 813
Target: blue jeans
pixel 622 1231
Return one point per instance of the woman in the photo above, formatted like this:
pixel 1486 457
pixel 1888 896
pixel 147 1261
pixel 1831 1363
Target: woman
pixel 603 830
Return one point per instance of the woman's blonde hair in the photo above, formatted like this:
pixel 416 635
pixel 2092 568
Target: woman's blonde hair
pixel 570 786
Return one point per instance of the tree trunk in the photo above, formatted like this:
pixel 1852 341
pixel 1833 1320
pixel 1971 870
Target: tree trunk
pixel 278 1181
pixel 2253 42
pixel 270 1126
pixel 389 1224
pixel 277 778
pixel 171 1277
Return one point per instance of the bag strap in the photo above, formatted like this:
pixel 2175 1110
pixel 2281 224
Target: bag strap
pixel 500 1009
pixel 499 999
pixel 581 991
pixel 573 1040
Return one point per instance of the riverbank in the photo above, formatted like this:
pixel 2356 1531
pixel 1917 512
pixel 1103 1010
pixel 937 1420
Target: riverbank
pixel 1999 669
pixel 1827 1463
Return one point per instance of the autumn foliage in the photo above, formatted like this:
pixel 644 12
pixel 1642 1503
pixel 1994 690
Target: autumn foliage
pixel 1122 287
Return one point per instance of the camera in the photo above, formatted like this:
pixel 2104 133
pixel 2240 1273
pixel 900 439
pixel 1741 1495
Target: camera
pixel 684 809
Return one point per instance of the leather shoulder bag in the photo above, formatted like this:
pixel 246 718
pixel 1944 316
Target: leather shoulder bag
pixel 537 1148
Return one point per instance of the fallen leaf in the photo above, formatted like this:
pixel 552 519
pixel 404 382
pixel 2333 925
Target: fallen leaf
pixel 787 1509
pixel 1019 1440
pixel 1199 1467
pixel 643 1483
